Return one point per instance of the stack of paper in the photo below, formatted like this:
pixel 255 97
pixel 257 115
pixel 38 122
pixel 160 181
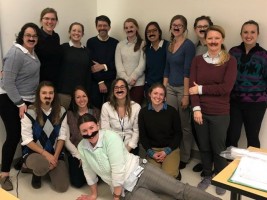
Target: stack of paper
pixel 251 171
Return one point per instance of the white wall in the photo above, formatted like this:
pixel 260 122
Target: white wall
pixel 15 13
pixel 228 13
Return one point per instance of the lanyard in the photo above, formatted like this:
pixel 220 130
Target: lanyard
pixel 121 121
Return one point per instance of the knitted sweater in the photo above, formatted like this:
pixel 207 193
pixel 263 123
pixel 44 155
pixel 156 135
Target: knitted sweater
pixel 49 52
pixel 20 75
pixel 130 65
pixel 159 129
pixel 103 52
pixel 155 63
pixel 109 159
pixel 251 81
pixel 217 82
pixel 75 69
pixel 44 135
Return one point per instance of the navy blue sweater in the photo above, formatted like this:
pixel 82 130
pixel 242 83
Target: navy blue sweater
pixel 103 52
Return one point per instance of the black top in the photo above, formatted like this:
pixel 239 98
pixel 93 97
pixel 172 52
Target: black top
pixel 75 69
pixel 103 52
pixel 159 129
pixel 49 53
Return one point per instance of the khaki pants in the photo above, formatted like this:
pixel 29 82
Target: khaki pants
pixel 59 175
pixel 171 163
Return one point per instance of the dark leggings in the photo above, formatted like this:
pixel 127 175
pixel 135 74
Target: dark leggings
pixel 249 114
pixel 77 178
pixel 9 113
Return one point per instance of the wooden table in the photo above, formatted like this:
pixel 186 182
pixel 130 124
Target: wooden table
pixel 4 195
pixel 221 180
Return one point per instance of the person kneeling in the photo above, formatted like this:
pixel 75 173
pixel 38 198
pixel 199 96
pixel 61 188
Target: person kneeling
pixel 44 128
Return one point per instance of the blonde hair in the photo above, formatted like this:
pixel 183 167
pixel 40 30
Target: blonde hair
pixel 224 55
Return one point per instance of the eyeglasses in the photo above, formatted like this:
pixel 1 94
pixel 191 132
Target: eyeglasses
pixel 177 25
pixel 202 27
pixel 122 87
pixel 31 36
pixel 152 31
pixel 49 19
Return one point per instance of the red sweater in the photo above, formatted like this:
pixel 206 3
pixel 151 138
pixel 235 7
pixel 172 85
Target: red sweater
pixel 217 82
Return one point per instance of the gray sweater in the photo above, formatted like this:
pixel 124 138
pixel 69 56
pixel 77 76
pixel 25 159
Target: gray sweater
pixel 20 75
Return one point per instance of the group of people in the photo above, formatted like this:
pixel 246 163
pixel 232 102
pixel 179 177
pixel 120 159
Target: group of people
pixel 125 95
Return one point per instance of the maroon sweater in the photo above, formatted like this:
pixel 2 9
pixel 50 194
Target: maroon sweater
pixel 217 82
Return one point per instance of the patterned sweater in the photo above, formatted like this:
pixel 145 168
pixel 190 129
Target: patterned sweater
pixel 251 81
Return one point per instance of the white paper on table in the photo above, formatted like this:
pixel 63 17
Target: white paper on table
pixel 251 171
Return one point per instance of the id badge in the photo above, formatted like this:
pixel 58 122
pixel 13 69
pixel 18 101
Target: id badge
pixel 138 172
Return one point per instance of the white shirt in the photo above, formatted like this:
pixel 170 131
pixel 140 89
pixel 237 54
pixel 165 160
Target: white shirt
pixel 127 127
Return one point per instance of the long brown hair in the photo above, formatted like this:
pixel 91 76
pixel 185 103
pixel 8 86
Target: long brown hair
pixel 74 107
pixel 56 107
pixel 184 21
pixel 139 39
pixel 113 100
pixel 224 55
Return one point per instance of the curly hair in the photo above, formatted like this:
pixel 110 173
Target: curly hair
pixel 19 38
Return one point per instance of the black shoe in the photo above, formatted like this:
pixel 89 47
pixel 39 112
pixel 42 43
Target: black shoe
pixel 179 177
pixel 198 167
pixel 202 174
pixel 182 165
pixel 36 181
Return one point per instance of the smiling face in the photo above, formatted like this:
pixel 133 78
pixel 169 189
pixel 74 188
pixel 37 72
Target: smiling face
pixel 201 27
pixel 249 34
pixel 103 28
pixel 153 34
pixel 130 29
pixel 81 99
pixel 214 41
pixel 76 33
pixel 120 90
pixel 46 95
pixel 30 39
pixel 49 22
pixel 157 96
pixel 177 28
pixel 88 128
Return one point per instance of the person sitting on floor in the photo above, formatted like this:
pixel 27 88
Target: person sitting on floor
pixel 104 154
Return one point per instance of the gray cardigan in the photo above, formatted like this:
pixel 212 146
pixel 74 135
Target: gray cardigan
pixel 20 74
